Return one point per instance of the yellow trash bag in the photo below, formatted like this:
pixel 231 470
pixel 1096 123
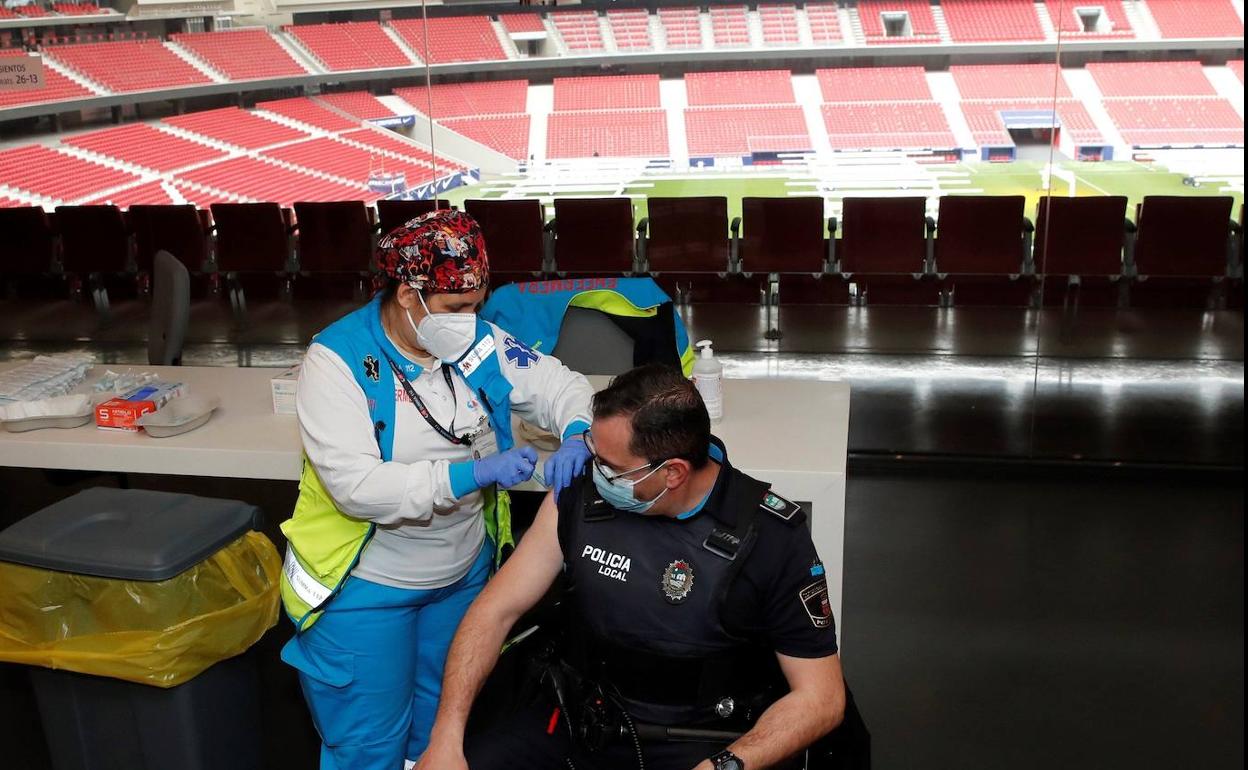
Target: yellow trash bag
pixel 161 634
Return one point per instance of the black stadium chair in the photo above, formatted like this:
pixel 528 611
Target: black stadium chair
pixel 253 249
pixel 29 246
pixel 883 250
pixel 782 252
pixel 1078 249
pixel 335 240
pixel 514 236
pixel 593 235
pixel 1183 248
pixel 683 244
pixel 394 213
pixel 981 249
pixel 96 246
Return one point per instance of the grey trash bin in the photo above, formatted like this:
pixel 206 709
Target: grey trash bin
pixel 212 721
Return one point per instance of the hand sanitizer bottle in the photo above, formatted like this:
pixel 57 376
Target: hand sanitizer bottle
pixel 708 378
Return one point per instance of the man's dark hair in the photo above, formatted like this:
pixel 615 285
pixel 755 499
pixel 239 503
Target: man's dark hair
pixel 665 412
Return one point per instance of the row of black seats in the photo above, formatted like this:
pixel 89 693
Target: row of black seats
pixel 978 250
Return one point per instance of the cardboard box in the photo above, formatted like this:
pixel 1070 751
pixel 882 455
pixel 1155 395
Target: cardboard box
pixel 285 387
pixel 120 413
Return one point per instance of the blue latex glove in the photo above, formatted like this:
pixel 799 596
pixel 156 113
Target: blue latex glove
pixel 506 469
pixel 565 464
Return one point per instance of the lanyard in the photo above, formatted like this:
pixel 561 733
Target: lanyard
pixel 449 435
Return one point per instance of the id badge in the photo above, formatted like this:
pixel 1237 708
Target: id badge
pixel 484 442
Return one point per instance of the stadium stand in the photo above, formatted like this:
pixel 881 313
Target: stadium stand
pixel 508 134
pixel 146 146
pixel 145 194
pixel 56 87
pixel 988 127
pixel 457 100
pixel 1185 19
pixel 579 30
pixel 990 21
pixel 1110 18
pixel 355 45
pixel 79 9
pixel 682 27
pixel 308 112
pixel 386 142
pixel 606 92
pixel 749 87
pixel 32 11
pixel 1185 78
pixel 361 104
pixel 630 29
pixel 346 161
pixel 1237 66
pixel 38 170
pixel 609 133
pixel 873 84
pixel 236 127
pixel 730 26
pixel 779 23
pixel 1008 81
pixel 718 131
pixel 242 54
pixel 257 180
pixel 824 22
pixel 128 65
pixel 1208 121
pixel 522 22
pixel 451 38
pixel 920 26
pixel 887 125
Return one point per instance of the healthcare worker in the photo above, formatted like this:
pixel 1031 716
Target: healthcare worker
pixel 405 414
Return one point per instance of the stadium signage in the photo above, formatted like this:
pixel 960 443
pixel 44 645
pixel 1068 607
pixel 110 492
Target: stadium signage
pixel 21 73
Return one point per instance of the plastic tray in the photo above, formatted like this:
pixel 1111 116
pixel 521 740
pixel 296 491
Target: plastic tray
pixel 165 431
pixel 38 423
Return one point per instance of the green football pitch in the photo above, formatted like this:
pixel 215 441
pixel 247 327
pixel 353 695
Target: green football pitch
pixel 1134 180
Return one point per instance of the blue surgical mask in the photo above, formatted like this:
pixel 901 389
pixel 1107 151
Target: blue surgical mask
pixel 621 494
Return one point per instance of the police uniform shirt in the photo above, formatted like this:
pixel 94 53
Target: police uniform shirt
pixel 780 598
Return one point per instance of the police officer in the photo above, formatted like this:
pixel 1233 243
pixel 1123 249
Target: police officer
pixel 700 631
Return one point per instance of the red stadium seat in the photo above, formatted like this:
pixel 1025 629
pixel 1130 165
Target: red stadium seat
pixel 252 247
pixel 980 249
pixel 395 213
pixel 1078 248
pixel 594 235
pixel 884 248
pixel 95 247
pixel 784 238
pixel 179 230
pixel 687 249
pixel 334 238
pixel 514 237
pixel 1182 249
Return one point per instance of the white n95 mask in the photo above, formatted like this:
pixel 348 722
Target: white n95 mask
pixel 447 336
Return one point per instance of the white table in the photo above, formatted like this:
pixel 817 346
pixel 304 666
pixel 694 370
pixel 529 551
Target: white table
pixel 792 433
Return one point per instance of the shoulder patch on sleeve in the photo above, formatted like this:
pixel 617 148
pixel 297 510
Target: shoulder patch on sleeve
pixel 815 601
pixel 518 354
pixel 783 509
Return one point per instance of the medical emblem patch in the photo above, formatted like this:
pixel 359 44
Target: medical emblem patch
pixel 372 368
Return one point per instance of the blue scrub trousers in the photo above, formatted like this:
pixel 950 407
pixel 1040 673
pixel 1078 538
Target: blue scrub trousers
pixel 371 667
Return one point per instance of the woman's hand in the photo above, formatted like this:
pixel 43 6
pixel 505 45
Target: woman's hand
pixel 506 469
pixel 565 464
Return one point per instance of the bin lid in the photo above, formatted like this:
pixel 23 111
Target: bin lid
pixel 126 534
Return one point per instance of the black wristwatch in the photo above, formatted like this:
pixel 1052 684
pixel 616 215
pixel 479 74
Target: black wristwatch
pixel 726 760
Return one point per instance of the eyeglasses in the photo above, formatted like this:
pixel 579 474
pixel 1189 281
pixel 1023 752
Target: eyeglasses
pixel 608 474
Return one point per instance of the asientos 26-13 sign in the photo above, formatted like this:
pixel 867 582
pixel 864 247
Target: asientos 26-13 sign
pixel 21 73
